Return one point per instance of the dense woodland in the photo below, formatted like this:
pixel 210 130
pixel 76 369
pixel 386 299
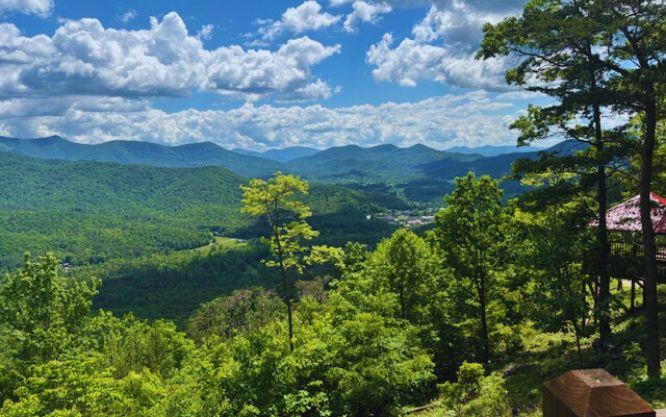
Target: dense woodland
pixel 90 212
pixel 307 311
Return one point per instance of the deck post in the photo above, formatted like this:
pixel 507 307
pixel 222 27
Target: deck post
pixel 592 393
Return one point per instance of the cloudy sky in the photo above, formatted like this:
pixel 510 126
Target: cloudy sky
pixel 255 74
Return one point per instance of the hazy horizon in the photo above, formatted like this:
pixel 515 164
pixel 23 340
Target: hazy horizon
pixel 259 75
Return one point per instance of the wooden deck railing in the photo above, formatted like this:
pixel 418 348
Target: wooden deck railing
pixel 635 249
pixel 627 260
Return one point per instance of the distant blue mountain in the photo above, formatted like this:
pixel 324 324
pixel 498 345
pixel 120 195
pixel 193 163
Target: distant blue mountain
pixel 382 163
pixel 281 155
pixel 490 150
pixel 142 153
pixel 422 173
pixel 494 166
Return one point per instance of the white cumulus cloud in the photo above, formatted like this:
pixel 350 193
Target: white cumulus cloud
pixel 85 58
pixel 410 62
pixel 306 17
pixel 473 119
pixel 38 7
pixel 365 12
pixel 443 47
pixel 285 71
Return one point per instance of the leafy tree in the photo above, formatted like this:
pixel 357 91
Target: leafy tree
pixel 622 46
pixel 40 311
pixel 635 41
pixel 342 366
pixel 131 345
pixel 241 312
pixel 556 41
pixel 278 201
pixel 470 232
pixel 476 395
pixel 404 264
pixel 81 386
pixel 551 247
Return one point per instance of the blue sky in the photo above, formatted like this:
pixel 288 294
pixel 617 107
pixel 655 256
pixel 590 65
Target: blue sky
pixel 255 74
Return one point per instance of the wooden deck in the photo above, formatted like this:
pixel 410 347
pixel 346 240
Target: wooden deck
pixel 627 261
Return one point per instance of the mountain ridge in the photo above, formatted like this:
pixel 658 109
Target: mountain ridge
pixel 494 150
pixel 418 166
pixel 192 155
pixel 281 154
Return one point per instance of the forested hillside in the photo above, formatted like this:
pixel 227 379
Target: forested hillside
pixel 142 153
pixel 197 292
pixel 368 333
pixel 93 211
pixel 282 155
pixel 417 173
pixel 87 212
pixel 378 164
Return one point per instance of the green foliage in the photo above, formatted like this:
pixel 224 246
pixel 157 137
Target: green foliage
pixel 243 311
pixel 172 286
pixel 39 313
pixel 340 365
pixel 405 265
pixel 91 212
pixel 81 365
pixel 278 200
pixel 82 386
pixel 373 330
pixel 476 395
pixel 552 247
pixel 471 231
pixel 129 345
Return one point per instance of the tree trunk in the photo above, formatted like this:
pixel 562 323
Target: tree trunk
pixel 602 237
pixel 485 338
pixel 285 281
pixel 603 249
pixel 649 244
pixel 291 324
pixel 287 301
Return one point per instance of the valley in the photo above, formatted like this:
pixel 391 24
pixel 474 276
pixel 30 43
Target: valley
pixel 342 208
pixel 148 219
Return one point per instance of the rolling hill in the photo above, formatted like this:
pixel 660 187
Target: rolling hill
pixel 93 211
pixel 88 212
pixel 281 155
pixel 383 163
pixel 142 153
pixel 494 166
pixel 437 177
pixel 417 173
pixel 492 150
